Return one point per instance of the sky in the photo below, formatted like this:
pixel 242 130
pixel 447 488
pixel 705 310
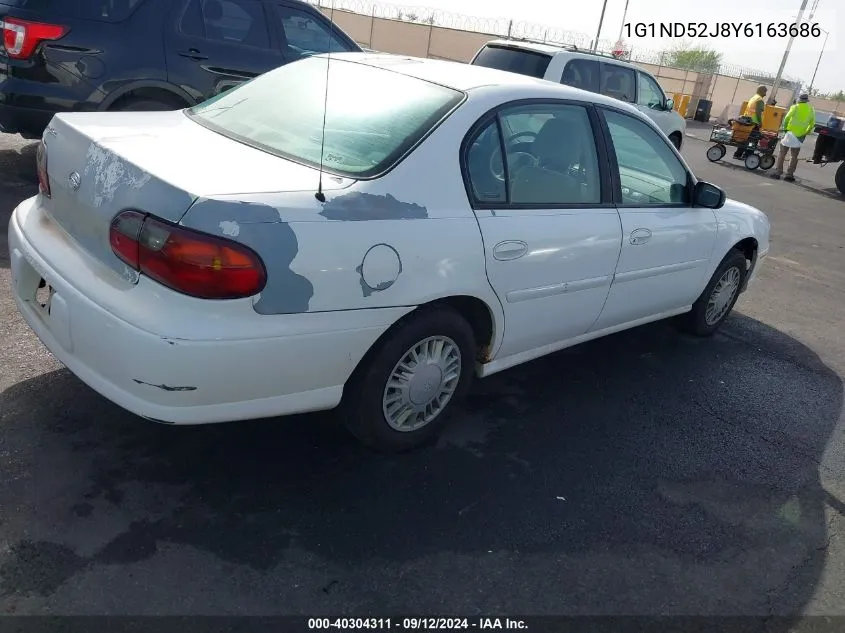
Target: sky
pixel 753 52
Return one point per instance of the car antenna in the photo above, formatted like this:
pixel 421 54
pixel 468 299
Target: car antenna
pixel 320 195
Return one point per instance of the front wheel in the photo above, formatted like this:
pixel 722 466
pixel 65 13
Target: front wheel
pixel 719 297
pixel 675 137
pixel 401 396
pixel 716 152
pixel 767 161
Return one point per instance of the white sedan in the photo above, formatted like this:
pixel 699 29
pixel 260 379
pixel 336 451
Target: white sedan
pixel 285 248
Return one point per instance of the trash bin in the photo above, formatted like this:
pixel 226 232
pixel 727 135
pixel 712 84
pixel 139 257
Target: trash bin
pixel 702 110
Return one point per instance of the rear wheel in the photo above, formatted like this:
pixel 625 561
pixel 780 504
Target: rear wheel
pixel 767 161
pixel 403 392
pixel 719 297
pixel 146 105
pixel 839 179
pixel 752 161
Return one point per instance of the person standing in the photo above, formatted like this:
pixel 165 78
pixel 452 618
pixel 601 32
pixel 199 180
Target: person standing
pixel 799 121
pixel 754 110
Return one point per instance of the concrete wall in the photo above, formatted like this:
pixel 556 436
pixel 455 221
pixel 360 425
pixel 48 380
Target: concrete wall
pixel 422 40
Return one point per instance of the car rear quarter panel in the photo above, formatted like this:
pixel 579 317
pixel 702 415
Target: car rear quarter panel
pixel 404 239
pixel 736 222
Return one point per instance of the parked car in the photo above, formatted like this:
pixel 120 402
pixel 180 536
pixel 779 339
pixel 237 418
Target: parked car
pixel 598 73
pixel 374 253
pixel 72 55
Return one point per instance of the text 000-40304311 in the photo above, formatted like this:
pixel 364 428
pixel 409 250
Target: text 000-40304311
pixel 722 29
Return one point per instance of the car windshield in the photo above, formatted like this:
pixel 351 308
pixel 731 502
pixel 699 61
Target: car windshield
pixel 373 116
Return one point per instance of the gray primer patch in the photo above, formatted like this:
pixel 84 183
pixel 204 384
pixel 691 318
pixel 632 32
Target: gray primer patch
pixel 275 242
pixel 164 387
pixel 357 206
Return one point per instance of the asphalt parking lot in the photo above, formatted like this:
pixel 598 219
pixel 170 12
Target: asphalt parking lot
pixel 645 473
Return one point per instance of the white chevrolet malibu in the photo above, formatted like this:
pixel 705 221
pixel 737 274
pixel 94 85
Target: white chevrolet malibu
pixel 288 247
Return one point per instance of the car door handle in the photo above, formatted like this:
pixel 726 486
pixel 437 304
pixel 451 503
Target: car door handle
pixel 639 236
pixel 193 53
pixel 511 249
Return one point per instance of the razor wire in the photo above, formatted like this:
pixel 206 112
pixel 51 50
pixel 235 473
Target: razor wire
pixel 535 32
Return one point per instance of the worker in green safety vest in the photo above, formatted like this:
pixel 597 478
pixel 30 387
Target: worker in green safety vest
pixel 800 120
pixel 753 110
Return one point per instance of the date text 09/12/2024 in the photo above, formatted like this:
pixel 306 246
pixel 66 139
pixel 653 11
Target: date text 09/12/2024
pixel 416 623
pixel 721 29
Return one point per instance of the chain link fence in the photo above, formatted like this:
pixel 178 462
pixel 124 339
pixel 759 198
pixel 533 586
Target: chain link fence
pixel 519 29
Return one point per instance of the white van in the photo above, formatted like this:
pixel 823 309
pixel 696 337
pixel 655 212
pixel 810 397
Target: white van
pixel 588 71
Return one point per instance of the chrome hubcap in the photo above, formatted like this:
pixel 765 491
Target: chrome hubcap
pixel 422 383
pixel 722 296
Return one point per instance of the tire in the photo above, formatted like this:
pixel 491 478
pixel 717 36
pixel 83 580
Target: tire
pixel 675 137
pixel 145 105
pixel 696 321
pixel 368 396
pixel 752 161
pixel 716 153
pixel 767 161
pixel 839 178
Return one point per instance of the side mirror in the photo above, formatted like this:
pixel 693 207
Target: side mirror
pixel 708 196
pixel 670 104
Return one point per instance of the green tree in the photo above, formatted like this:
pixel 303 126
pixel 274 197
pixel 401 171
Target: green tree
pixel 697 58
pixel 838 96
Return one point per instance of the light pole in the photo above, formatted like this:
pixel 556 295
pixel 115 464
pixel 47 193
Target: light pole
pixel 622 26
pixel 601 19
pixel 786 54
pixel 812 81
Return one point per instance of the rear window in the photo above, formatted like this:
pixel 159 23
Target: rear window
pixel 514 60
pixel 100 10
pixel 373 116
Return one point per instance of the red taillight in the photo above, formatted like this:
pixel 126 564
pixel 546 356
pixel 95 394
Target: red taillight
pixel 41 166
pixel 190 262
pixel 22 37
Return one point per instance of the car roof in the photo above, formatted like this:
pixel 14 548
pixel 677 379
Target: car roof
pixel 468 78
pixel 555 50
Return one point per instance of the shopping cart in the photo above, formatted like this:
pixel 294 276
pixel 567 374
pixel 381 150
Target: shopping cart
pixel 758 145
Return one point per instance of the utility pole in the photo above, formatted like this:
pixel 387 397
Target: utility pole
pixel 622 26
pixel 786 54
pixel 601 19
pixel 813 80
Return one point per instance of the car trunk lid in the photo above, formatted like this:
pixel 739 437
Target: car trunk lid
pixel 101 164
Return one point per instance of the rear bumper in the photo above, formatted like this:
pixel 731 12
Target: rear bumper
pixel 264 366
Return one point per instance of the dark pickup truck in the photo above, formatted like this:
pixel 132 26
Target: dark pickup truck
pixel 830 148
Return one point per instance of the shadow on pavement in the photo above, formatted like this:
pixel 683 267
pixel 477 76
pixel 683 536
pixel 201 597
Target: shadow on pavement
pixel 18 181
pixel 644 473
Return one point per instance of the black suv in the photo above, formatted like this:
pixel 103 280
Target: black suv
pixel 69 55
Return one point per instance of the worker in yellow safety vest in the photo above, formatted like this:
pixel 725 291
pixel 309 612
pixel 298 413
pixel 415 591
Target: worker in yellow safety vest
pixel 754 110
pixel 800 120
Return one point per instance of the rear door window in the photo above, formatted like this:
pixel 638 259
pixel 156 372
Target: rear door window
pixel 307 35
pixel 513 60
pixel 99 10
pixel 618 82
pixel 230 21
pixel 581 73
